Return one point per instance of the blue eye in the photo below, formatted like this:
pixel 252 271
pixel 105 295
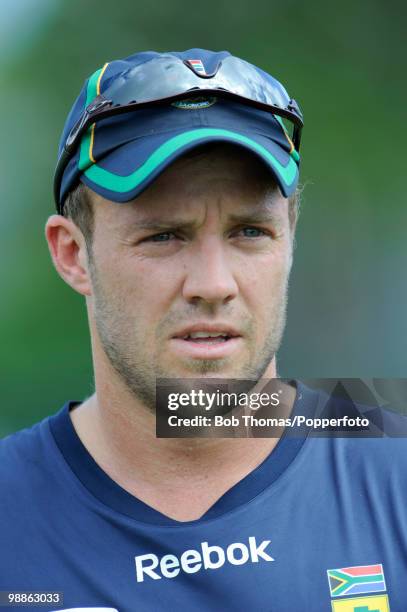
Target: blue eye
pixel 252 232
pixel 163 237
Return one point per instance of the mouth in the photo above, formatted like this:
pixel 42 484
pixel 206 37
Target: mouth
pixel 203 337
pixel 204 342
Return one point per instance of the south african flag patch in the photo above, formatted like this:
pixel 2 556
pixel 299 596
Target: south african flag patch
pixel 197 65
pixel 356 580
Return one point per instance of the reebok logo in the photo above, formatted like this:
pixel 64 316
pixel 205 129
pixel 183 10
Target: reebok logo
pixel 207 557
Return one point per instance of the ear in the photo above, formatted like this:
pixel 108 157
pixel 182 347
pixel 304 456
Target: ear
pixel 68 252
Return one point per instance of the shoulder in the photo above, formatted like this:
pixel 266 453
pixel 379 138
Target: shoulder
pixel 13 446
pixel 378 450
pixel 355 433
pixel 24 456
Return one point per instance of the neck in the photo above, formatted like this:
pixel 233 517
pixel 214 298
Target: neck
pixel 119 433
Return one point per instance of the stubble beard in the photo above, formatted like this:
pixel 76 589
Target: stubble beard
pixel 124 348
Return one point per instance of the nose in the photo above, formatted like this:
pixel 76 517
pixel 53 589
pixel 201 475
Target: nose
pixel 209 275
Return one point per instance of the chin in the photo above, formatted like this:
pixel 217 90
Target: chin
pixel 209 369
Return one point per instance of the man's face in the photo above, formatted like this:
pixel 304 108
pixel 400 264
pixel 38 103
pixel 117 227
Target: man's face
pixel 190 279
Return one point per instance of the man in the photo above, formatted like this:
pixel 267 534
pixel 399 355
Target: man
pixel 176 193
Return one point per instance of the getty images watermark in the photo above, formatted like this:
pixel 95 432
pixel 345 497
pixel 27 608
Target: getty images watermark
pixel 228 408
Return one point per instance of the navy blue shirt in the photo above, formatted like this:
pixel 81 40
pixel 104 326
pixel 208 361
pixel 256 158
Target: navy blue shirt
pixel 319 525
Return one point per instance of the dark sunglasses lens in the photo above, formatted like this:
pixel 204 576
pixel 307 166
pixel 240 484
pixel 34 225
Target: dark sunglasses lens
pixel 158 78
pixel 245 80
pixel 168 76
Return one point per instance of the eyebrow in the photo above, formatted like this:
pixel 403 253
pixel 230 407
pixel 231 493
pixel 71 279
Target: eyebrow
pixel 160 224
pixel 256 216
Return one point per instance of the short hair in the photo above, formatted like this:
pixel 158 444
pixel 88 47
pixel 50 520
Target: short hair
pixel 78 203
pixel 78 207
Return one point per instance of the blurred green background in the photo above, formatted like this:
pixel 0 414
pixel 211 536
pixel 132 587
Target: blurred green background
pixel 344 62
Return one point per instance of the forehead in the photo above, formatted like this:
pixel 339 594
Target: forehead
pixel 219 174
